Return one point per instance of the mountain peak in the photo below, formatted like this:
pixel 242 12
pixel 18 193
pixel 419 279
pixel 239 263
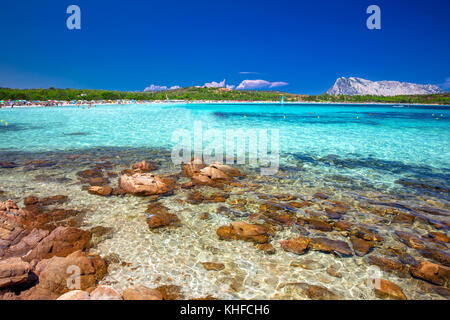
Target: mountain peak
pixel 359 86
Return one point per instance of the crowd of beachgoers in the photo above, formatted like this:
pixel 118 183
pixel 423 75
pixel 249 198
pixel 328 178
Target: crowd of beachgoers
pixel 60 103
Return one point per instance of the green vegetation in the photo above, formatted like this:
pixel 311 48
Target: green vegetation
pixel 190 93
pixel 195 93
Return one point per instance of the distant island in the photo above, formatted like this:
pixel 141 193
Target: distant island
pixel 37 96
pixel 359 86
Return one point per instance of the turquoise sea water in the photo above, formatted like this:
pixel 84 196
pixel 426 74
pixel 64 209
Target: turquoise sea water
pixel 378 143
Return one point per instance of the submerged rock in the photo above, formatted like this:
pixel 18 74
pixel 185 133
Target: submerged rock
pixel 297 246
pixel 145 184
pixel 315 292
pixel 388 265
pixel 266 247
pixel 31 200
pixel 100 190
pixel 319 195
pixel 410 239
pixel 8 165
pixel 338 247
pixel 239 230
pixel 170 292
pixel 58 199
pixel 99 181
pixel 439 236
pixel 431 272
pixel 387 290
pixel 143 166
pixel 159 216
pixel 193 167
pixel 213 266
pixel 140 292
pixel 361 247
pixel 437 255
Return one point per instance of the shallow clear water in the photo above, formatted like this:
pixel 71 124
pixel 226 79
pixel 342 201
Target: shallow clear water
pixel 360 155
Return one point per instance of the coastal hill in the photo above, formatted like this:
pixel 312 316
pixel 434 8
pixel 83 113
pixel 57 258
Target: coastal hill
pixel 205 94
pixel 357 86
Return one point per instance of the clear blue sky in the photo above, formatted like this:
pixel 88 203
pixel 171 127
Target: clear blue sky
pixel 129 45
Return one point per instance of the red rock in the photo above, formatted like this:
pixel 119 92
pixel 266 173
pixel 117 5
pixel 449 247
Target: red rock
pixel 98 181
pixel 228 170
pixel 188 185
pixel 204 181
pixel 330 246
pixel 145 184
pixel 213 266
pixel 56 273
pixel 37 293
pixel 30 200
pixel 332 213
pixel 101 191
pixel 216 197
pixel 387 290
pixel 266 247
pixel 58 199
pixel 105 293
pixel 170 292
pixel 439 236
pixel 195 197
pixel 26 244
pixel 320 293
pixel 361 247
pixel 239 230
pixel 8 165
pixel 143 166
pixel 410 239
pixel 141 293
pixel 388 265
pixel 204 216
pixel 319 195
pixel 297 246
pixel 441 256
pixel 90 173
pixel 11 231
pixel 13 271
pixel 302 204
pixel 159 216
pixel 193 168
pixel 342 225
pixel 402 217
pixel 60 242
pixel 75 295
pixel 365 233
pixel 333 272
pixel 431 272
pixel 319 224
pixel 8 205
pixel 118 192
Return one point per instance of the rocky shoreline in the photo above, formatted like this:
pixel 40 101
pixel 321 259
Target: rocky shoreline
pixel 42 238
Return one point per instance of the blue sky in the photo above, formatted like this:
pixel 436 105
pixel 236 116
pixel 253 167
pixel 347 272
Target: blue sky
pixel 301 46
